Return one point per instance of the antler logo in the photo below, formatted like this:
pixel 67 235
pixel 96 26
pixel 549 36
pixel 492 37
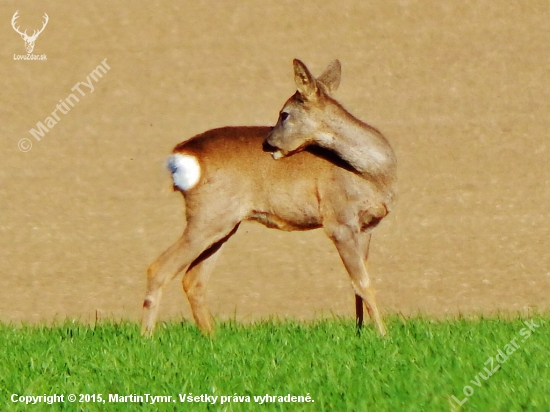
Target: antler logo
pixel 29 40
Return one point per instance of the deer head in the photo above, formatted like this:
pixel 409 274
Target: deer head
pixel 29 40
pixel 301 121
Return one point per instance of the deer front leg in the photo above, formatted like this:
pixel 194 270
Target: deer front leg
pixel 358 312
pixel 352 245
pixel 365 237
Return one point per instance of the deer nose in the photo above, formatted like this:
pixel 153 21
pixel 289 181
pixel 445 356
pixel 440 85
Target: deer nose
pixel 266 147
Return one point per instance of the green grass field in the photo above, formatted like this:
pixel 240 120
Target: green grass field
pixel 419 367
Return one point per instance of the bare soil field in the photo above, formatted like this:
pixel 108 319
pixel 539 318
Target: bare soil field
pixel 460 89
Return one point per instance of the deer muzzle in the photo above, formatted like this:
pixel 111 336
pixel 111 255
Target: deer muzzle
pixel 275 152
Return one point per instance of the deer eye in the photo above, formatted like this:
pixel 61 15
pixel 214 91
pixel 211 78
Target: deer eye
pixel 284 115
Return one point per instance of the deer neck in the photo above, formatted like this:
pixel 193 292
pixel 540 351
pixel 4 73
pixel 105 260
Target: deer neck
pixel 361 146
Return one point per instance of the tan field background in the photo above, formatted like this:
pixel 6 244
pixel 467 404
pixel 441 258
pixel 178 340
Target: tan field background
pixel 460 88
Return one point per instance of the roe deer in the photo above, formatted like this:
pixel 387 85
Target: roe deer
pixel 333 172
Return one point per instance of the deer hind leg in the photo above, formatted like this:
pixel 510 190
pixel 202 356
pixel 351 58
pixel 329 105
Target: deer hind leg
pixel 352 245
pixel 194 283
pixel 198 237
pixel 194 286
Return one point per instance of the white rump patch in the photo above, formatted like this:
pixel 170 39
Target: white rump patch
pixel 185 169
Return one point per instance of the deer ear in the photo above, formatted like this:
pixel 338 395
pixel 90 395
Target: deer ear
pixel 331 76
pixel 305 82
